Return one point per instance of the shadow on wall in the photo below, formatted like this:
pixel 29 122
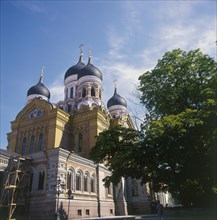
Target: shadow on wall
pixel 61 213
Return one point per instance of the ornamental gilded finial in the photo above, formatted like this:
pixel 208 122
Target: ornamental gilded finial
pixel 81 51
pixel 42 73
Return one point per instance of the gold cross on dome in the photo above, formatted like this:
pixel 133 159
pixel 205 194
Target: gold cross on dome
pixel 42 72
pixel 90 51
pixel 115 83
pixel 81 45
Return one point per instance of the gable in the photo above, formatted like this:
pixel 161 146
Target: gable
pixel 36 109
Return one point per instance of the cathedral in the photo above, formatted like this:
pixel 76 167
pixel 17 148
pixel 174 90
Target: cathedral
pixel 50 144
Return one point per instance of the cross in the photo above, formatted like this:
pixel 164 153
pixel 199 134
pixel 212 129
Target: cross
pixel 90 51
pixel 42 72
pixel 115 83
pixel 81 45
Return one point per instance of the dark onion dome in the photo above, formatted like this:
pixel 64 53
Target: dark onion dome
pixel 116 99
pixel 73 70
pixel 39 89
pixel 90 70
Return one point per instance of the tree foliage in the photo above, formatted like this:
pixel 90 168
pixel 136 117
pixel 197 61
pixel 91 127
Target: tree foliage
pixel 177 147
pixel 117 148
pixel 181 96
pixel 180 80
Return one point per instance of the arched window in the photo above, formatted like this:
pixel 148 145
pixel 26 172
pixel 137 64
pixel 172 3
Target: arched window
pixel 86 181
pixel 70 179
pixel 84 92
pixel 92 183
pixel 24 144
pixel 92 92
pixel 80 140
pixel 69 107
pixel 66 93
pixel 41 180
pixel 32 145
pixel 40 142
pixel 71 92
pixel 100 94
pixel 78 181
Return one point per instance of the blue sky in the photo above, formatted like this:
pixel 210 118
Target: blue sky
pixel 127 37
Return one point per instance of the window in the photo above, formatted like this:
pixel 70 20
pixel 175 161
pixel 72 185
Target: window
pixel 92 92
pixel 35 113
pixel 100 94
pixel 87 212
pixel 86 180
pixel 84 92
pixel 111 211
pixel 80 140
pixel 92 183
pixel 41 180
pixel 85 183
pixel 40 142
pixel 69 107
pixel 80 212
pixel 71 92
pixel 70 179
pixel 66 93
pixel 32 145
pixel 78 181
pixel 24 144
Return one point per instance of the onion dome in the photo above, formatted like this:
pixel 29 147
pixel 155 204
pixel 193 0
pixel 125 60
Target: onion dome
pixel 39 89
pixel 116 99
pixel 90 70
pixel 73 70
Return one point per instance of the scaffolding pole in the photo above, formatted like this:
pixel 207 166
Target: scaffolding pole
pixel 15 190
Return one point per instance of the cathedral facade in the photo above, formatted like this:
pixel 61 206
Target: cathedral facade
pixel 57 138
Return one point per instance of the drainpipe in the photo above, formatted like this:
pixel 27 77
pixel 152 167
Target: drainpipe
pixel 98 190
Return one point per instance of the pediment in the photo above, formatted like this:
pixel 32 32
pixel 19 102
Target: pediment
pixel 37 108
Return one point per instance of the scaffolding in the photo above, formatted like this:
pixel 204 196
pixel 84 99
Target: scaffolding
pixel 16 186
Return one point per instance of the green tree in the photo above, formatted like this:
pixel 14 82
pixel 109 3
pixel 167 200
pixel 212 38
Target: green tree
pixel 117 148
pixel 177 147
pixel 180 94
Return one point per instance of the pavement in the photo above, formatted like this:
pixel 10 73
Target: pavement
pixel 183 214
pixel 170 214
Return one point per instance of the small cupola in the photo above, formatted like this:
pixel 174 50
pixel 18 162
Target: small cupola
pixel 90 70
pixel 117 105
pixel 38 91
pixel 73 70
pixel 116 99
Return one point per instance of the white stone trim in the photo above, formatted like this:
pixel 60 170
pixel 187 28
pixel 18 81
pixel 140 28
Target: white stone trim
pixel 89 79
pixel 117 107
pixel 31 97
pixel 69 79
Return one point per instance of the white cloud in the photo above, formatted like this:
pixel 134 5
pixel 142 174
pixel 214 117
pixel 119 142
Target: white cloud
pixel 206 39
pixel 173 27
pixel 199 34
pixel 57 89
pixel 116 43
